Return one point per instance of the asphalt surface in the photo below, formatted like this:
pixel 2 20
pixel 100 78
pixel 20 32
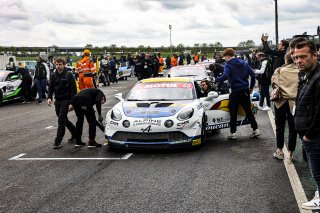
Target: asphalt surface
pixel 223 176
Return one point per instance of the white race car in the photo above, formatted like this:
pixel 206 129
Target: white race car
pixel 10 86
pixel 166 113
pixel 197 72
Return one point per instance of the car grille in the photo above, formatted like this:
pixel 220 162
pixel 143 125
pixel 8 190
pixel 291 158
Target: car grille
pixel 149 137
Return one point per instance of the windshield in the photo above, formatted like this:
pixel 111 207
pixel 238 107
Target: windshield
pixel 188 72
pixel 161 91
pixel 3 76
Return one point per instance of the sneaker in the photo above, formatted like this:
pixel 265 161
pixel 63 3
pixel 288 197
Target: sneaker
pixel 266 108
pixel 25 102
pixel 57 146
pixel 79 144
pixel 71 140
pixel 255 133
pixel 313 204
pixel 278 155
pixel 93 144
pixel 39 102
pixel 260 108
pixel 232 136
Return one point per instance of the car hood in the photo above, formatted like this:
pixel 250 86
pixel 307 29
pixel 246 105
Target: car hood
pixel 153 109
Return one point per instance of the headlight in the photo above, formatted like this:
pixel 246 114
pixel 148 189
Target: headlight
pixel 116 115
pixel 185 114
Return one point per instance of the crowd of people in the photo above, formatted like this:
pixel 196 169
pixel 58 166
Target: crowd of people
pixel 293 68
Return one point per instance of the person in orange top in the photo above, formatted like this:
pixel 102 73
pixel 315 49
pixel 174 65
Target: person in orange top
pixel 174 60
pixel 86 71
pixel 196 58
pixel 161 63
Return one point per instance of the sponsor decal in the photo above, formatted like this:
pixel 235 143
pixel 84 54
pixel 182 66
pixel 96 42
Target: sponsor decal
pixel 147 121
pixel 199 106
pixel 148 129
pixel 182 124
pixel 114 123
pixel 218 126
pixel 196 142
pixel 226 125
pixel 166 85
pixel 217 120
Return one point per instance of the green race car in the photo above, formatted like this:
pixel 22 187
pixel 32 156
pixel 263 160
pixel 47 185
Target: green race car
pixel 10 86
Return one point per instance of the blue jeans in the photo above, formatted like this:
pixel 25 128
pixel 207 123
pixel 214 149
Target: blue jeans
pixel 41 87
pixel 312 149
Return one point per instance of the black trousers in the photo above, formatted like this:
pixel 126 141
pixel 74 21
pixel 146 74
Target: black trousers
pixel 281 115
pixel 264 94
pixel 61 108
pixel 240 98
pixel 114 75
pixel 26 89
pixel 88 112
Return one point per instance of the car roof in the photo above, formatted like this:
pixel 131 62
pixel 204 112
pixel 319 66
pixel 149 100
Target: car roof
pixel 188 67
pixel 160 80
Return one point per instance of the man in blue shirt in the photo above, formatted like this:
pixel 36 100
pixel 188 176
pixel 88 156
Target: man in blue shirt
pixel 237 72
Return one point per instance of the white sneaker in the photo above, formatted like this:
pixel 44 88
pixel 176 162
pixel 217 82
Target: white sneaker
pixel 232 136
pixel 255 133
pixel 260 108
pixel 266 108
pixel 313 204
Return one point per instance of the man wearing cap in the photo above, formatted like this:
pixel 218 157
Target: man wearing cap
pixel 86 71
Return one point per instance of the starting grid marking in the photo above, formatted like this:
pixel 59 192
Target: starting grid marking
pixel 19 157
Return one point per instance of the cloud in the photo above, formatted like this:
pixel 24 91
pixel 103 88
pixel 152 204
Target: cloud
pixel 145 22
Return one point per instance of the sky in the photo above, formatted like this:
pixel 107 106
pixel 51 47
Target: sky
pixel 130 23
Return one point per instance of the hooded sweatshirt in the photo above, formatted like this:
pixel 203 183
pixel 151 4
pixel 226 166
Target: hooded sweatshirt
pixel 237 72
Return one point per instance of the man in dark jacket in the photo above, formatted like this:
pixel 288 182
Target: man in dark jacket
pixel 307 112
pixel 278 53
pixel 264 74
pixel 141 68
pixel 238 72
pixel 40 78
pixel 26 82
pixel 83 103
pixel 63 86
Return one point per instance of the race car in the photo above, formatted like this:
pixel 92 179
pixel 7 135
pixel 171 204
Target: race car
pixel 196 72
pixel 124 71
pixel 10 86
pixel 166 113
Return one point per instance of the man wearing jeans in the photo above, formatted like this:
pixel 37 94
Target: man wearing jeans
pixel 63 86
pixel 307 112
pixel 238 73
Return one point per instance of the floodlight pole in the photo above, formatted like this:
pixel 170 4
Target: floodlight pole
pixel 276 20
pixel 170 27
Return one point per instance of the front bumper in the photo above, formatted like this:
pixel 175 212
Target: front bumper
pixel 163 140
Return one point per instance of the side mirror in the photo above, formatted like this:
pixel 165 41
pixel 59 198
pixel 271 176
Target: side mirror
pixel 212 94
pixel 119 96
pixel 14 77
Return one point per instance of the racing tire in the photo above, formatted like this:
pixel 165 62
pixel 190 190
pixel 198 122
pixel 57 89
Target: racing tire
pixel 1 97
